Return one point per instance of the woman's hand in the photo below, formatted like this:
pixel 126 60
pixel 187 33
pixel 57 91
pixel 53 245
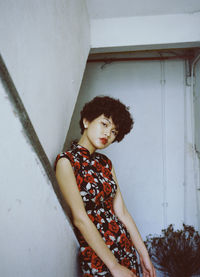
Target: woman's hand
pixel 148 269
pixel 122 271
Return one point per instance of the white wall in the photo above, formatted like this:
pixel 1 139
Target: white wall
pixel 149 162
pixel 45 46
pixel 145 32
pixel 35 236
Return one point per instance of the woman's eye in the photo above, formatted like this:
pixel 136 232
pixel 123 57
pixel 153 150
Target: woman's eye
pixel 114 133
pixel 104 124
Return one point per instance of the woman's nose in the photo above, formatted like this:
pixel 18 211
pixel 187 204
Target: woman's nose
pixel 107 132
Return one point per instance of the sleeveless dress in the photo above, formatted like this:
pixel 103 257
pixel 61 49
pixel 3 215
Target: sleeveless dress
pixel 98 188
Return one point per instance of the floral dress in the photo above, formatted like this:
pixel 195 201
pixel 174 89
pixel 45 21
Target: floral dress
pixel 98 188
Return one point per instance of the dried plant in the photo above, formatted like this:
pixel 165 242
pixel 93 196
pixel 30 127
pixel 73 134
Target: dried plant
pixel 177 253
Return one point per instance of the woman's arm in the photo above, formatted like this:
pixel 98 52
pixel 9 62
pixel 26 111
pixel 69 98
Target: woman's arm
pixel 123 214
pixel 67 183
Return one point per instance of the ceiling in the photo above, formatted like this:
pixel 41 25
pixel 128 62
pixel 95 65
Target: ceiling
pixel 126 8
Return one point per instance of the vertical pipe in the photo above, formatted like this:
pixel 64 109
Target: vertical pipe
pixel 163 122
pixel 185 145
pixel 195 157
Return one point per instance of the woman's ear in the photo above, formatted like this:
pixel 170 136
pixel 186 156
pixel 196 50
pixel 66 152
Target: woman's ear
pixel 85 123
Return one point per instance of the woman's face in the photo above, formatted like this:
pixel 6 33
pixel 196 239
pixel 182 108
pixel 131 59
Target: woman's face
pixel 101 132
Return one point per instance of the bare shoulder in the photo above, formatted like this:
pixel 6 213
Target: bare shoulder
pixel 64 168
pixel 69 189
pixel 63 162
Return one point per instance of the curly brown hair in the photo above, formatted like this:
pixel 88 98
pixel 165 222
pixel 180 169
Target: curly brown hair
pixel 110 107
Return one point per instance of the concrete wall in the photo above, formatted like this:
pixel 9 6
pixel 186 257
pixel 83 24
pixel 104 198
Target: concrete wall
pixel 154 162
pixel 45 46
pixel 145 32
pixel 35 236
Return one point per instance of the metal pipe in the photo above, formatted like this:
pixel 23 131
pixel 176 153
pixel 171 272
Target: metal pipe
pixel 163 126
pixel 195 156
pixel 110 60
pixel 185 159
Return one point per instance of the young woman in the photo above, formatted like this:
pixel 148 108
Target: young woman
pixel 105 230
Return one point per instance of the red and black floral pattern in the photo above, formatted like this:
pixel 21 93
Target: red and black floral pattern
pixel 98 188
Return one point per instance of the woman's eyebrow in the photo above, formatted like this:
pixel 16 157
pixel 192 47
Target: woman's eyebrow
pixel 107 119
pixel 110 123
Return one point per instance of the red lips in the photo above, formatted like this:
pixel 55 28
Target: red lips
pixel 104 140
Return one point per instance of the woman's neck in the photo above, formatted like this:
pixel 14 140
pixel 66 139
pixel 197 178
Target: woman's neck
pixel 87 144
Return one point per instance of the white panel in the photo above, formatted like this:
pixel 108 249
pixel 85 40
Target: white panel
pixel 145 31
pixel 174 86
pixel 124 8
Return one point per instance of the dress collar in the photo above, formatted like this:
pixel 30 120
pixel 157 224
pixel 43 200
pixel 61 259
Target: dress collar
pixel 81 150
